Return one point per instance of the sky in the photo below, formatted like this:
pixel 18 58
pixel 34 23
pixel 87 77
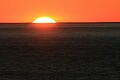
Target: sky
pixel 60 10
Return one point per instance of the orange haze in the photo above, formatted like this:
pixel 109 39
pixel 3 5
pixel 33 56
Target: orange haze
pixel 60 10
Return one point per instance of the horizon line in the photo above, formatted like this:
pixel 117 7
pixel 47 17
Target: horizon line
pixel 53 23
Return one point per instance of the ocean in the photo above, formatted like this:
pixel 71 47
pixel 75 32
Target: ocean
pixel 61 51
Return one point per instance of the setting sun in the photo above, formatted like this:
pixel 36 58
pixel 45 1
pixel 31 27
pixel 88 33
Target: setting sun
pixel 44 20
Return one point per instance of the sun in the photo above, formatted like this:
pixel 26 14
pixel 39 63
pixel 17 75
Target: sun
pixel 44 20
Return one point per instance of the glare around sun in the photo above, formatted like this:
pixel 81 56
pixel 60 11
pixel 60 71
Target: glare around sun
pixel 44 20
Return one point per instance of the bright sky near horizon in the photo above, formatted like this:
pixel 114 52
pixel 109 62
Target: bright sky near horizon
pixel 60 10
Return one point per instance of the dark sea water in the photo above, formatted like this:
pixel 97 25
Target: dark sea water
pixel 62 51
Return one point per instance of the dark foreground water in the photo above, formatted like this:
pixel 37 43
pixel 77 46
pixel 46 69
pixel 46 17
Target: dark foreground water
pixel 60 51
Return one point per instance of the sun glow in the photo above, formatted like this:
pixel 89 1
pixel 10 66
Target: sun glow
pixel 44 20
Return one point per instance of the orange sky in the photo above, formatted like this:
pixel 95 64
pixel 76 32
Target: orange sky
pixel 60 10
